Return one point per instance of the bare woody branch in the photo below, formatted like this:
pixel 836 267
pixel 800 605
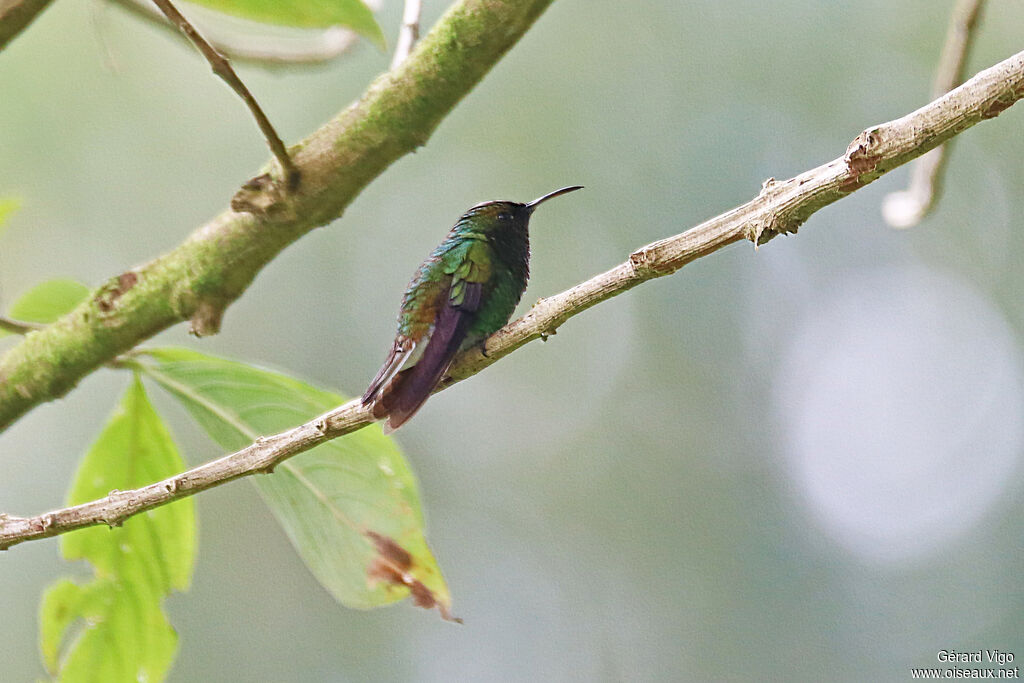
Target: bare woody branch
pixel 222 67
pixel 780 208
pixel 199 279
pixel 409 33
pixel 906 208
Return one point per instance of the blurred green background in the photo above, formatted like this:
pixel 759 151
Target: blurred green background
pixel 796 463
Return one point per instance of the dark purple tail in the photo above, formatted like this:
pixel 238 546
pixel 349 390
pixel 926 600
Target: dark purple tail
pixel 409 389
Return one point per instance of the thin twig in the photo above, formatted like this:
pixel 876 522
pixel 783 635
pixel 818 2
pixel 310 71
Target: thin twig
pixel 322 46
pixel 24 327
pixel 18 326
pixel 409 33
pixel 222 67
pixel 16 15
pixel 780 208
pixel 906 208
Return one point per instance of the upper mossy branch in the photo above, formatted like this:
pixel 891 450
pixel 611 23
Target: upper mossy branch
pixel 200 278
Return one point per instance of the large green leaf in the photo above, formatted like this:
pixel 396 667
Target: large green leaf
pixel 124 634
pixel 352 14
pixel 47 301
pixel 350 506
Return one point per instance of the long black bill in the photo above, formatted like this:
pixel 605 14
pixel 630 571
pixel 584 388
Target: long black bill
pixel 551 195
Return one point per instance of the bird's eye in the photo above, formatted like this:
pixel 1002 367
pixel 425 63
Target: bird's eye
pixel 504 216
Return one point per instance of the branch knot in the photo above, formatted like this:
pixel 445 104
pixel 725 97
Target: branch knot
pixel 861 158
pixel 261 196
pixel 644 262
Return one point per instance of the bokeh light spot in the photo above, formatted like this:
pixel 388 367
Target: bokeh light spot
pixel 902 405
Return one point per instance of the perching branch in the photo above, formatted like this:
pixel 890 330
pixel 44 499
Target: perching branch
pixel 780 208
pixel 409 33
pixel 199 279
pixel 906 208
pixel 222 67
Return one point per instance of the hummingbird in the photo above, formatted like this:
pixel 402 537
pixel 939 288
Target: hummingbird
pixel 465 291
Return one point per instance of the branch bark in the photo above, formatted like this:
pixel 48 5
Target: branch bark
pixel 198 280
pixel 780 208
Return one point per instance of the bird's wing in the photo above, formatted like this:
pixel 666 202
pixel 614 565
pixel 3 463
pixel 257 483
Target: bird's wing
pixel 470 271
pixel 469 267
pixel 415 324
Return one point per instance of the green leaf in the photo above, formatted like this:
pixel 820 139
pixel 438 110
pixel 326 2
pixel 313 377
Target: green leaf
pixel 113 628
pixel 350 506
pixel 352 14
pixel 48 301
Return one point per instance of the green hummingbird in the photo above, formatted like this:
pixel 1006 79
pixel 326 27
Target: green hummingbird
pixel 465 291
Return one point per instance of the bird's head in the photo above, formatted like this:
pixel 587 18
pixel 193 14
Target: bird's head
pixel 499 216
